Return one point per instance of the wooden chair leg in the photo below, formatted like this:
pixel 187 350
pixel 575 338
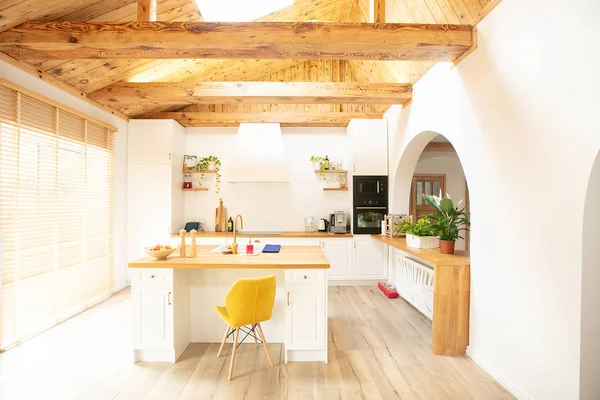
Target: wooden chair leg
pixel 224 339
pixel 264 340
pixel 254 334
pixel 235 342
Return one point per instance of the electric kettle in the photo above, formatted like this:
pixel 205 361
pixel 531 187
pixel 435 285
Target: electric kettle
pixel 323 225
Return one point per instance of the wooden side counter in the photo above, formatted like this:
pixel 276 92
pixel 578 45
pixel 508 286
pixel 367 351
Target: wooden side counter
pixel 451 298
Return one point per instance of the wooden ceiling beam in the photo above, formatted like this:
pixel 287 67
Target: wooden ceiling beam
pixel 223 119
pixel 236 40
pixel 146 10
pixel 254 93
pixel 378 11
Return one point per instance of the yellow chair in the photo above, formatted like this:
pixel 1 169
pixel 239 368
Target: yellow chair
pixel 248 302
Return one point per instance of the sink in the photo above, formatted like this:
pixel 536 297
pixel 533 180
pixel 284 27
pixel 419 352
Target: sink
pixel 258 248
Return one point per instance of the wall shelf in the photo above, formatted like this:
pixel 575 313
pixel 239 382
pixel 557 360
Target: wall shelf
pixel 331 171
pixel 206 171
pixel 338 189
pixel 202 189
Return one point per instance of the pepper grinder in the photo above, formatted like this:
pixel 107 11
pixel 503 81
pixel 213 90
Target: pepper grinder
pixel 193 249
pixel 182 244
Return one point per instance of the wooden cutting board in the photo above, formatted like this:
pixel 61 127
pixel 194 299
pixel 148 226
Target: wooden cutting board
pixel 221 218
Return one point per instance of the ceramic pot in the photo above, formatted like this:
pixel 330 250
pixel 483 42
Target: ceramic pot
pixel 447 246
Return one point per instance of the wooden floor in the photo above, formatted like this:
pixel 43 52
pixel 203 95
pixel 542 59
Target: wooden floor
pixel 378 349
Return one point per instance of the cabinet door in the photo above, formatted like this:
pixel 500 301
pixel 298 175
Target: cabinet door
pixel 305 313
pixel 306 325
pixel 153 316
pixel 369 144
pixel 370 259
pixel 149 202
pixel 150 140
pixel 338 254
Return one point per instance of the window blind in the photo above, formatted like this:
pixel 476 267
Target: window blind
pixel 56 214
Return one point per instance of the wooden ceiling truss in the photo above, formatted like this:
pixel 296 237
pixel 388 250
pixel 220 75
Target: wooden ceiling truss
pixel 337 59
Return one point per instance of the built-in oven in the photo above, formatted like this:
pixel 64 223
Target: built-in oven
pixel 368 220
pixel 370 200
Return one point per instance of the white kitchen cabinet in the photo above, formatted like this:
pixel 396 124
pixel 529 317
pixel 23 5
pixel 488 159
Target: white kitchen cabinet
pixel 161 298
pixel 371 258
pixel 369 144
pixel 155 203
pixel 306 315
pixel 338 252
pixel 153 317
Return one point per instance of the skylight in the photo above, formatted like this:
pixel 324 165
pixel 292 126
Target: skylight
pixel 239 10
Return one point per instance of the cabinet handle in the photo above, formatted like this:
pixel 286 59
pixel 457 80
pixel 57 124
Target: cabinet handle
pixel 169 156
pixel 169 230
pixel 288 298
pixel 169 298
pixel 354 168
pixel 353 244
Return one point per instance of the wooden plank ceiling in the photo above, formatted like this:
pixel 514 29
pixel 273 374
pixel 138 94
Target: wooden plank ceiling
pixel 91 75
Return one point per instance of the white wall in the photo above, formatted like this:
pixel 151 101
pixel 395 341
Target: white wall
pixel 590 293
pixel 521 111
pixel 448 164
pixel 270 206
pixel 32 83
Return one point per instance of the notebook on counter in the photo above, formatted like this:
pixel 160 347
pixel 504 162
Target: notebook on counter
pixel 272 248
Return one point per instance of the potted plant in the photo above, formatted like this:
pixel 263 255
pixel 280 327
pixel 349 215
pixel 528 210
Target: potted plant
pixel 210 162
pixel 448 222
pixel 316 160
pixel 420 234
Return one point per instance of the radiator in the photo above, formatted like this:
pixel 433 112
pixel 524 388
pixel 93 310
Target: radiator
pixel 414 283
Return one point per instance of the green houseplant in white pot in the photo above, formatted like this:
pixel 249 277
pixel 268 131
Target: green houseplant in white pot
pixel 420 234
pixel 448 222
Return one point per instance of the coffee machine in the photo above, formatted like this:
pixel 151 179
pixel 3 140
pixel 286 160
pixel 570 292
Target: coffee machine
pixel 337 222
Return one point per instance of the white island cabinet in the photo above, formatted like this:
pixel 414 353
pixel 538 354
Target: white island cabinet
pixel 174 301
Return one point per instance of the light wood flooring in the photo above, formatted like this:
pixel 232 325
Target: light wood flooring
pixel 378 349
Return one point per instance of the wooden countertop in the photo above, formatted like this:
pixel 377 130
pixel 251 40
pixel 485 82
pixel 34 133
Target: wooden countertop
pixel 290 257
pixel 434 256
pixel 290 234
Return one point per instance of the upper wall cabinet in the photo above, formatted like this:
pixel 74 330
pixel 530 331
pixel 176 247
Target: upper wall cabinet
pixel 369 144
pixel 150 140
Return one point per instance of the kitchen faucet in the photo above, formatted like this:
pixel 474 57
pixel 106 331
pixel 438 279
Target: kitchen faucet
pixel 234 245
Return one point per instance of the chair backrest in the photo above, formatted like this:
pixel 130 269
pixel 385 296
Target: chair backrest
pixel 251 300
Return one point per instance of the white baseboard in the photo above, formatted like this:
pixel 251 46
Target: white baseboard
pixel 508 385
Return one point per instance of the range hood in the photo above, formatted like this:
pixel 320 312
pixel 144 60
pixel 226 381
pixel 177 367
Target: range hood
pixel 258 155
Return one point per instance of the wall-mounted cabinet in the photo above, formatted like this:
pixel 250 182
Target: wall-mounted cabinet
pixel 369 146
pixel 155 201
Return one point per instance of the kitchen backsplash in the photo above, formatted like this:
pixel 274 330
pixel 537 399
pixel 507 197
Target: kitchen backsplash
pixel 270 206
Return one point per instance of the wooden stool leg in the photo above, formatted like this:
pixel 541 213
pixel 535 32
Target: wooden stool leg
pixel 254 334
pixel 262 335
pixel 235 342
pixel 224 339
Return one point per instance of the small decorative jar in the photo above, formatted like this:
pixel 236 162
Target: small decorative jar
pixel 187 181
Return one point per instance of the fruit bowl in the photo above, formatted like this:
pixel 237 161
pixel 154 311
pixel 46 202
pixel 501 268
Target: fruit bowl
pixel 159 254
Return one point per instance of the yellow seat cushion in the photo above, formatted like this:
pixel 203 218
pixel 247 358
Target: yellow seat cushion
pixel 249 301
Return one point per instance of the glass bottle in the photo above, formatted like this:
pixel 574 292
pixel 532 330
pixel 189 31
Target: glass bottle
pixel 326 163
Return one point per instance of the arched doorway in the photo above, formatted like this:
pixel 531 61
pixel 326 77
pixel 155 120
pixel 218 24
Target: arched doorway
pixel 428 165
pixel 590 296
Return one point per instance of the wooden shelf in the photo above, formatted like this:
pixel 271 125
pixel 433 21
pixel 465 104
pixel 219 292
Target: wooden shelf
pixel 206 171
pixel 202 189
pixel 338 189
pixel 332 171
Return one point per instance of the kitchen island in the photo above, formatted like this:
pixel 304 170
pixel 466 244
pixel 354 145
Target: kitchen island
pixel 174 300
